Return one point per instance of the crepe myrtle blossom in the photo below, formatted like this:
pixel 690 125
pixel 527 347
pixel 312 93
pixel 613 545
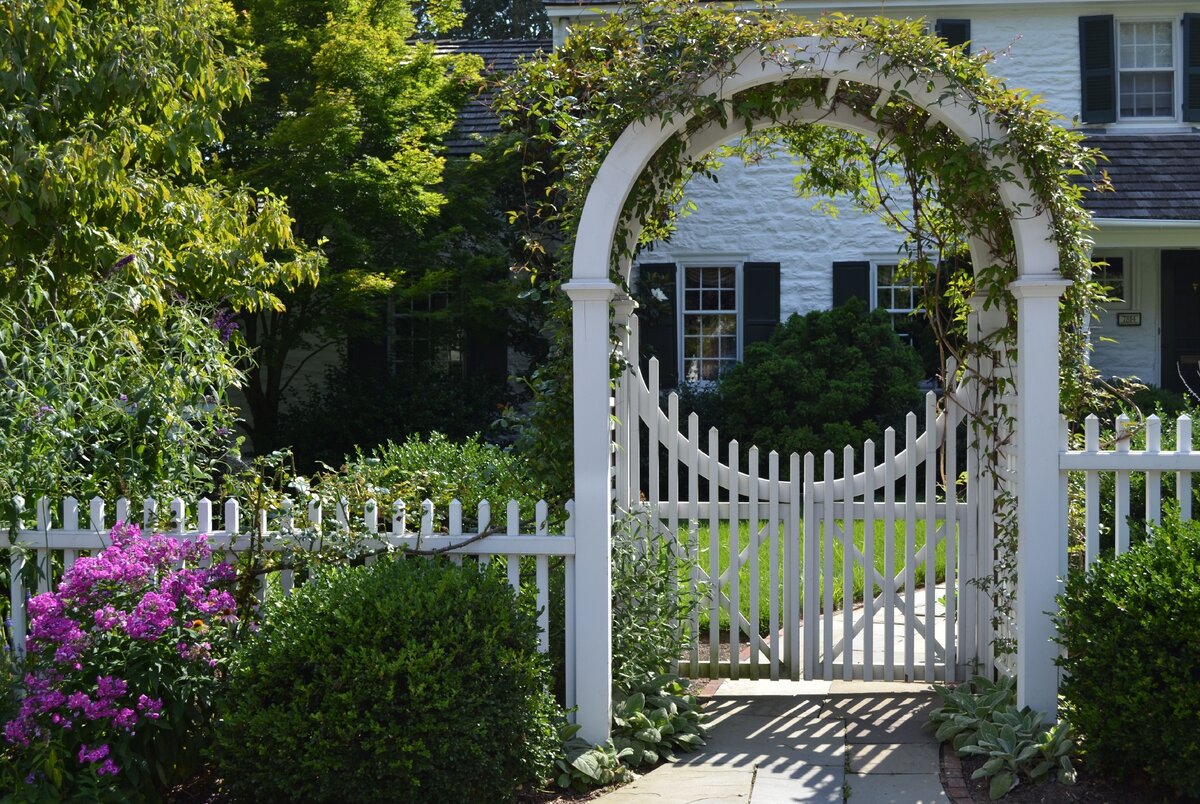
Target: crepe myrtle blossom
pixel 145 600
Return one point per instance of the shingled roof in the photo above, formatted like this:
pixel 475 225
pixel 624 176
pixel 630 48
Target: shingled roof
pixel 1154 177
pixel 476 120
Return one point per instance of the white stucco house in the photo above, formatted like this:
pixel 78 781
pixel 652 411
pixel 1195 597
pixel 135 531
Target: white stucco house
pixel 1125 72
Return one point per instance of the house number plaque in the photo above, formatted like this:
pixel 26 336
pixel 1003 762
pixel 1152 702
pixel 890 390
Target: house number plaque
pixel 1129 319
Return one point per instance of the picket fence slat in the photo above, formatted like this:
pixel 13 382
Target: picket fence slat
pixel 931 539
pixel 1183 477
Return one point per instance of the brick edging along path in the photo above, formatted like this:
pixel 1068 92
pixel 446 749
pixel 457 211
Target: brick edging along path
pixel 953 780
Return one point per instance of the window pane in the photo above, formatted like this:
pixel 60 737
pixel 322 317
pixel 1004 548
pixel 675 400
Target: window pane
pixel 1147 94
pixel 894 291
pixel 710 322
pixel 1112 276
pixel 1145 45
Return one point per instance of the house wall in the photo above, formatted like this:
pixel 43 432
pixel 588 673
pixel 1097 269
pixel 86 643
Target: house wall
pixel 1131 351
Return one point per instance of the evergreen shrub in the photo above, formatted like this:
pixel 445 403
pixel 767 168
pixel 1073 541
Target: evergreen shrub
pixel 409 680
pixel 823 380
pixel 1130 628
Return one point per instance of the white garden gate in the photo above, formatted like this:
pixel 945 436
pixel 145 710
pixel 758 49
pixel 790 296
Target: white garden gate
pixel 800 537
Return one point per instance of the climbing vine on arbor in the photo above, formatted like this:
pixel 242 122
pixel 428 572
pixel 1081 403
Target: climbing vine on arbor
pixel 565 111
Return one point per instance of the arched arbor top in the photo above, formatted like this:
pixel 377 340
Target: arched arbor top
pixel 834 61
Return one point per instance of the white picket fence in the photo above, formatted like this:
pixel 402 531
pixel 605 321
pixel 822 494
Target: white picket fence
pixel 1123 463
pixel 901 631
pixel 61 534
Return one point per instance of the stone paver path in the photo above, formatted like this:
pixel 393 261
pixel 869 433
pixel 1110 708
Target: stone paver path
pixel 805 741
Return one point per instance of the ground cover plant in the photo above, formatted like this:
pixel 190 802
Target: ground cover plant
pixel 418 679
pixel 1130 630
pixel 123 666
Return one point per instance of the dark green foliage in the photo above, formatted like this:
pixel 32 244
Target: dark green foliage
pixel 348 126
pixel 344 414
pixel 1130 628
pixel 822 381
pixel 410 680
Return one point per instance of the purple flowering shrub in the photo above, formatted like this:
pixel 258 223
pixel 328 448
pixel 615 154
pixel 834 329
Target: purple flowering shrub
pixel 123 663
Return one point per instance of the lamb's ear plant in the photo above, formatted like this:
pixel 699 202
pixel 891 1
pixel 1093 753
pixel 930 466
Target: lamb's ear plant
pixel 967 706
pixel 982 719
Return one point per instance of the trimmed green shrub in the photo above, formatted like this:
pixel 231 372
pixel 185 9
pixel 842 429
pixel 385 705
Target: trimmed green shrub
pixel 1130 627
pixel 822 381
pixel 409 680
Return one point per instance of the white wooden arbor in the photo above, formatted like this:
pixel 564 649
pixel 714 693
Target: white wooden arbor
pixel 1034 470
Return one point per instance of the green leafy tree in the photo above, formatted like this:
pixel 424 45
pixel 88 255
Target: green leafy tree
pixel 110 113
pixel 347 125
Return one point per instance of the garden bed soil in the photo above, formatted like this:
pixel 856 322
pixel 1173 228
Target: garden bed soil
pixel 1088 788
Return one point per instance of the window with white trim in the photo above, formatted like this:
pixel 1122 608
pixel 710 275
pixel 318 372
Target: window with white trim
pixel 423 335
pixel 1138 70
pixel 897 293
pixel 699 317
pixel 709 322
pixel 1146 69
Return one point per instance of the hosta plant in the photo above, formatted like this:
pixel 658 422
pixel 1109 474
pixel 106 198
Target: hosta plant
pixel 656 719
pixel 582 766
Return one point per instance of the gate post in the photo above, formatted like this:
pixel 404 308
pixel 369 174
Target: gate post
pixel 593 504
pixel 1039 508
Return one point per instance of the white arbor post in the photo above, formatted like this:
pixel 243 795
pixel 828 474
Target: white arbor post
pixel 590 301
pixel 1039 507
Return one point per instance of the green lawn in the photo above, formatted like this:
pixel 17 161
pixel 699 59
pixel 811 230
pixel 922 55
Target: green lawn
pixel 762 585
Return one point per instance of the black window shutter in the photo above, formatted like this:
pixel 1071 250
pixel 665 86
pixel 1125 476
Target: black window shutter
pixel 1098 69
pixel 851 280
pixel 657 329
pixel 1191 67
pixel 760 308
pixel 957 33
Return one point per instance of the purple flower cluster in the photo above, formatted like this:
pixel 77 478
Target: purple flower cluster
pixel 225 323
pixel 155 594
